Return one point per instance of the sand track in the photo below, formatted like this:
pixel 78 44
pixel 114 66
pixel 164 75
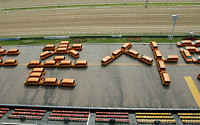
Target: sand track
pixel 96 20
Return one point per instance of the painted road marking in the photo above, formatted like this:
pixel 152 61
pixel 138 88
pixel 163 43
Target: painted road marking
pixel 131 64
pixel 193 89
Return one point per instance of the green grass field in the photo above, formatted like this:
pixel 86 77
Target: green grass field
pixel 91 40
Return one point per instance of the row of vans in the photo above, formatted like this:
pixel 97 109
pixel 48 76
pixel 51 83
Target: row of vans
pixel 161 64
pixel 191 49
pixel 106 60
pixel 9 52
pixel 47 54
pixel 9 62
pixel 188 43
pixel 36 77
pixel 62 64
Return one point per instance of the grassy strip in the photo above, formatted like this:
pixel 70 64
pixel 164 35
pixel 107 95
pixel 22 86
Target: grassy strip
pixel 99 5
pixel 90 40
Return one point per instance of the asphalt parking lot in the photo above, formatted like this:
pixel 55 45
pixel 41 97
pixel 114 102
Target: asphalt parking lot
pixel 125 83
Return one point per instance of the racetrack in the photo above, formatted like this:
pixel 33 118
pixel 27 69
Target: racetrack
pixel 100 20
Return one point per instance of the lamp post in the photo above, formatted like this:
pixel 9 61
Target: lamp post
pixel 174 18
pixel 146 5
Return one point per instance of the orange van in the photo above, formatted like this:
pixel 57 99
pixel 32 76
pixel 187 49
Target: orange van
pixel 145 59
pixel 64 64
pixel 196 59
pixel 165 78
pixel 34 63
pixel 80 64
pixel 1 62
pixel 161 65
pixel 32 81
pixel 38 70
pixel 49 47
pixel 196 43
pixel 66 82
pixel 106 60
pixel 157 54
pixel 170 58
pixel 154 45
pixel 184 43
pixel 77 46
pixel 63 43
pixel 61 51
pixel 3 52
pixel 10 62
pixel 132 53
pixel 63 46
pixel 191 49
pixel 117 53
pixel 58 58
pixel 46 54
pixel 187 56
pixel 35 75
pixel 49 81
pixel 73 53
pixel 126 46
pixel 49 63
pixel 13 52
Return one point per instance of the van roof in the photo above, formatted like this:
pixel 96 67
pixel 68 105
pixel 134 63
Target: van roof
pixel 187 53
pixel 198 41
pixel 10 60
pixel 59 57
pixel 33 79
pixel 161 62
pixel 44 53
pixel 73 51
pixel 149 58
pixel 50 61
pixel 154 43
pixel 158 52
pixel 50 45
pixel 186 41
pixel 62 46
pixel 133 51
pixel 81 61
pixel 65 61
pixel 76 45
pixel 2 50
pixel 13 50
pixel 106 58
pixel 172 56
pixel 190 47
pixel 38 69
pixel 67 80
pixel 60 49
pixel 35 74
pixel 125 45
pixel 64 42
pixel 117 51
pixel 50 79
pixel 166 76
pixel 35 61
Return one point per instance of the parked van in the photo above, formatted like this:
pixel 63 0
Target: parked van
pixel 49 47
pixel 157 54
pixel 49 81
pixel 170 58
pixel 10 62
pixel 66 82
pixel 161 65
pixel 154 45
pixel 77 46
pixel 32 81
pixel 196 43
pixel 80 63
pixel 73 53
pixel 61 51
pixel 38 70
pixel 184 43
pixel 126 46
pixel 165 78
pixel 46 54
pixel 191 49
pixel 63 43
pixel 3 52
pixel 64 64
pixel 187 56
pixel 13 52
pixel 35 75
pixel 58 58
pixel 196 59
pixel 145 59
pixel 63 46
pixel 34 63
pixel 106 60
pixel 117 53
pixel 132 53
pixel 49 63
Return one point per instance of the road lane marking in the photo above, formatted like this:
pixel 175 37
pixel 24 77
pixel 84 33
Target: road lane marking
pixel 193 89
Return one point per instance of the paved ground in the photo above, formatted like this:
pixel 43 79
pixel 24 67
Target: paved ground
pixel 100 20
pixel 125 83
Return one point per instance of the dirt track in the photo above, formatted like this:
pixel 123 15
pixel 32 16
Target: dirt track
pixel 96 20
pixel 33 3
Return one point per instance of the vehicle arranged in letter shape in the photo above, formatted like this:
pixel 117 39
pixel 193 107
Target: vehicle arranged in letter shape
pixel 34 63
pixel 46 54
pixel 117 53
pixel 165 78
pixel 3 52
pixel 40 70
pixel 64 64
pixel 67 82
pixel 49 63
pixel 73 53
pixel 32 81
pixel 154 45
pixel 13 52
pixel 35 75
pixel 58 58
pixel 187 56
pixel 145 59
pixel 170 58
pixel 184 43
pixel 49 81
pixel 77 46
pixel 10 62
pixel 80 64
pixel 106 60
pixel 126 46
pixel 132 53
pixel 49 47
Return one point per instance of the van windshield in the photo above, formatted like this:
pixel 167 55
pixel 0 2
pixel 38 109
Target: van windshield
pixel 189 57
